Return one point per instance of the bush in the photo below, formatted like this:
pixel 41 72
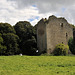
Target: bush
pixel 61 49
pixel 71 44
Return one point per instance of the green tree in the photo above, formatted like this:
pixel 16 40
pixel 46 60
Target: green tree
pixel 11 42
pixel 35 31
pixel 71 41
pixel 6 28
pixel 71 44
pixel 27 42
pixel 10 39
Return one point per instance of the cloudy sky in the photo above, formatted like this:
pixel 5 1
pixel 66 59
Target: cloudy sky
pixel 12 11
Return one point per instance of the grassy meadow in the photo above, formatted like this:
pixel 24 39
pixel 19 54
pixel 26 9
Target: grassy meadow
pixel 37 65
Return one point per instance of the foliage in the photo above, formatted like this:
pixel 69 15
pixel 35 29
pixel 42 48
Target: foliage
pixel 61 49
pixel 71 41
pixel 71 44
pixel 20 38
pixel 1 39
pixel 37 65
pixel 35 31
pixel 6 28
pixel 26 33
pixel 2 48
pixel 10 41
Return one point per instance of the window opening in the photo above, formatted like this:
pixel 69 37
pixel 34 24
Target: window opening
pixel 66 35
pixel 61 24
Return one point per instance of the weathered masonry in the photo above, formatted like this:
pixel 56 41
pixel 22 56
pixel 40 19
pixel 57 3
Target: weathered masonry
pixel 52 32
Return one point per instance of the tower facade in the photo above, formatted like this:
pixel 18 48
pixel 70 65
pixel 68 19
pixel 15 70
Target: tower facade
pixel 52 32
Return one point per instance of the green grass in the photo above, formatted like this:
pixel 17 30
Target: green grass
pixel 37 65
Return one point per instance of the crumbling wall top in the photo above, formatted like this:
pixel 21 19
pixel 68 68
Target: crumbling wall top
pixel 63 19
pixel 52 17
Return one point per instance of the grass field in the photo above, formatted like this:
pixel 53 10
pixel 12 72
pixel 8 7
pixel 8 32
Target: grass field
pixel 37 65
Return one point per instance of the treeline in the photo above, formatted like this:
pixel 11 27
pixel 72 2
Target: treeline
pixel 20 38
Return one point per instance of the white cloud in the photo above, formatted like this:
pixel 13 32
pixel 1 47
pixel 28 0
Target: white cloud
pixel 12 11
pixel 8 13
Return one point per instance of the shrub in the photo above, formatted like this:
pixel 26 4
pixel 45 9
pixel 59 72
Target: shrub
pixel 61 49
pixel 71 44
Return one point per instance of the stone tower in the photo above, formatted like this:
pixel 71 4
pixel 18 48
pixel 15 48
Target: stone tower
pixel 52 32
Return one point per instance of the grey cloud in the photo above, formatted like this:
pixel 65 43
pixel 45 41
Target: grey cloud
pixel 52 6
pixel 45 5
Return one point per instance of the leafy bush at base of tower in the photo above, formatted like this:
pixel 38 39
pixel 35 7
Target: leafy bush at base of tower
pixel 61 49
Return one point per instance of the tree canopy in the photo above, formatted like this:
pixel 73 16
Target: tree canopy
pixel 10 39
pixel 27 42
pixel 6 28
pixel 11 42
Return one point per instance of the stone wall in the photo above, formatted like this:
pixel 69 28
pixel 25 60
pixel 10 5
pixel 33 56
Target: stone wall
pixel 41 36
pixel 52 32
pixel 58 31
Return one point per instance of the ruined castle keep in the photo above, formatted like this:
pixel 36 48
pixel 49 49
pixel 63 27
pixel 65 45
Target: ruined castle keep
pixel 52 32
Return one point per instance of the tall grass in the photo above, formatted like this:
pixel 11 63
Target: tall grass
pixel 37 65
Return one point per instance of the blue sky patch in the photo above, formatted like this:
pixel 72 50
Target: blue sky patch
pixel 34 5
pixel 32 19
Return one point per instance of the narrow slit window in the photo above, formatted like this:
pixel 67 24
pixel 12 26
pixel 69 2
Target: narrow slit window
pixel 61 24
pixel 66 35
